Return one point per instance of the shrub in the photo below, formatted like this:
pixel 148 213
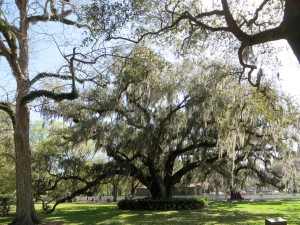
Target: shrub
pixel 162 204
pixel 4 205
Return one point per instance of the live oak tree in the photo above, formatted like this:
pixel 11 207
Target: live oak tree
pixel 194 21
pixel 17 19
pixel 150 130
pixel 168 120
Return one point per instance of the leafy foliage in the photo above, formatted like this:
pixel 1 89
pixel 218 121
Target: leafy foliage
pixel 62 169
pixel 7 159
pixel 158 121
pixel 111 17
pixel 4 206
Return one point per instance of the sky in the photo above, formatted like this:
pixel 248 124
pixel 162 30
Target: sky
pixel 289 72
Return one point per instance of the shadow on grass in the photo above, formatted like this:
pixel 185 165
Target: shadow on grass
pixel 218 213
pixel 5 219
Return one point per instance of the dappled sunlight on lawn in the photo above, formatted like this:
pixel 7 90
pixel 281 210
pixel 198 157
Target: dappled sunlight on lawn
pixel 217 213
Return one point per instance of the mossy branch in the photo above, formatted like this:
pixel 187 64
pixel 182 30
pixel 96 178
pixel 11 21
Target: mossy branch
pixel 55 16
pixel 49 94
pixel 8 50
pixel 58 76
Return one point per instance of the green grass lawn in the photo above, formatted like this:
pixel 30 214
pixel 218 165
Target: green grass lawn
pixel 226 213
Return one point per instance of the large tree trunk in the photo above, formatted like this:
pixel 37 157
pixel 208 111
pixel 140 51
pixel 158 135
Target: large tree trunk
pixel 115 191
pixel 291 25
pixel 133 186
pixel 160 189
pixel 234 194
pixel 25 214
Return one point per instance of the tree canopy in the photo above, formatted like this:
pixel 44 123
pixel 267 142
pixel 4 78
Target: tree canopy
pixel 243 26
pixel 161 121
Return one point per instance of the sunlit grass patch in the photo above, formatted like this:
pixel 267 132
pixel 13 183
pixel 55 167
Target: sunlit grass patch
pixel 217 213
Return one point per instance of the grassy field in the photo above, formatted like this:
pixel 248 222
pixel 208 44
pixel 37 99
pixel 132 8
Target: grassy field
pixel 225 213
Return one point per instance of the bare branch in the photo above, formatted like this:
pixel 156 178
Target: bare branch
pixel 184 16
pixel 56 96
pixel 173 111
pixel 245 65
pixel 250 22
pixel 181 151
pixel 234 28
pixel 211 13
pixel 7 27
pixel 9 52
pixel 163 121
pixel 190 166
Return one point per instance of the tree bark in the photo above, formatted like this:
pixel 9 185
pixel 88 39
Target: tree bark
pixel 291 25
pixel 234 194
pixel 115 191
pixel 14 45
pixel 160 189
pixel 133 187
pixel 25 214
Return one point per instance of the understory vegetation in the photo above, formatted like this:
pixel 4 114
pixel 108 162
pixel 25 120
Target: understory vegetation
pixel 162 204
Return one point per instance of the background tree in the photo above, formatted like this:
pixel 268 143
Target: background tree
pixel 260 140
pixel 287 167
pixel 62 169
pixel 17 20
pixel 7 159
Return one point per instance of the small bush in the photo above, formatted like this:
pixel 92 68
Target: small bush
pixel 162 204
pixel 4 206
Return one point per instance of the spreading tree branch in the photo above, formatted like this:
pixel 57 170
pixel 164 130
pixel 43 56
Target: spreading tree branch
pixel 58 76
pixel 88 185
pixel 56 96
pixel 196 22
pixel 190 166
pixel 9 51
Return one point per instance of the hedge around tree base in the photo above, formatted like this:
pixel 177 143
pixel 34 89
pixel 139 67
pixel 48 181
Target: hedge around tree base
pixel 162 204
